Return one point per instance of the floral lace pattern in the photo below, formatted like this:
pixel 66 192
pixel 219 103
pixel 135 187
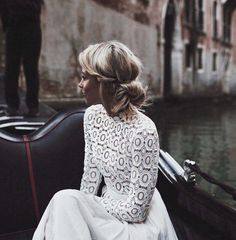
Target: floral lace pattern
pixel 126 154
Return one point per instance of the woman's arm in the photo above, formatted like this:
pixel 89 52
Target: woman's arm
pixel 145 153
pixel 91 178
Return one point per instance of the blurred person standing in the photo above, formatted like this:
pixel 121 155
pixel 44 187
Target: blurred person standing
pixel 21 23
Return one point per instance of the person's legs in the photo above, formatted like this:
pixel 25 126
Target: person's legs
pixel 31 53
pixel 63 219
pixel 13 61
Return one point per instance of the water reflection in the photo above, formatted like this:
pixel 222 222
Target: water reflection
pixel 203 132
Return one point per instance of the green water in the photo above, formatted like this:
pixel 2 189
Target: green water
pixel 203 131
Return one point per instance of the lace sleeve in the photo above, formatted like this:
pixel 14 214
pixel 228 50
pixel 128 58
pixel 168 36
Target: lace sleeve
pixel 145 152
pixel 91 178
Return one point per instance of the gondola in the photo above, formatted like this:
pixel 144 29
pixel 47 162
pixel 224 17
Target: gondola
pixel 35 165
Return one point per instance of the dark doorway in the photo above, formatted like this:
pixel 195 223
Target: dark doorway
pixel 168 34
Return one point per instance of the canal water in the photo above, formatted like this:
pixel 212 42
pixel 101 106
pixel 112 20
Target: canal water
pixel 203 131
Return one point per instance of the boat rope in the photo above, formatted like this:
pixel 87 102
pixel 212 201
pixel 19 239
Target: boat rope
pixel 195 168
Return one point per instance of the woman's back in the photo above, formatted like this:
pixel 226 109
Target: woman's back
pixel 125 152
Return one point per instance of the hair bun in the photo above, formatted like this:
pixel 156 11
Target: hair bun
pixel 136 93
pixel 128 96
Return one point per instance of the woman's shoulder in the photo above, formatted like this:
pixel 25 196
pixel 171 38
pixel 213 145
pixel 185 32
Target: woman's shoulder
pixel 145 123
pixel 94 111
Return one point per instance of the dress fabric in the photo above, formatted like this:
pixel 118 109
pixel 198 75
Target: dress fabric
pixel 125 152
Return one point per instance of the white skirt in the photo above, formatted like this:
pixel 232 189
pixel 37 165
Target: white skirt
pixel 74 215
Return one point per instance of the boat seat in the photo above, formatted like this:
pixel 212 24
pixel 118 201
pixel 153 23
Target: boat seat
pixel 35 166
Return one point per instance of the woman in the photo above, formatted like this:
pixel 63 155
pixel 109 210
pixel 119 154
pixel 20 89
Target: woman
pixel 121 144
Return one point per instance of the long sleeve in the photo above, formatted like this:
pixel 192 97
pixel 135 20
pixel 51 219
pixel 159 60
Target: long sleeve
pixel 91 178
pixel 145 153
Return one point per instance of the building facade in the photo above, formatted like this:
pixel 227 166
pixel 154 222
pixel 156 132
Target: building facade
pixel 188 47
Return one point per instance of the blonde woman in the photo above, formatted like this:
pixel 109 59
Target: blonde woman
pixel 121 144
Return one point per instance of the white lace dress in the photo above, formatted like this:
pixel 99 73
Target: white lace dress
pixel 125 153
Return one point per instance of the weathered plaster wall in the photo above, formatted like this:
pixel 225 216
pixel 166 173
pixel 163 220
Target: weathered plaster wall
pixel 143 11
pixel 206 81
pixel 177 54
pixel 231 73
pixel 70 26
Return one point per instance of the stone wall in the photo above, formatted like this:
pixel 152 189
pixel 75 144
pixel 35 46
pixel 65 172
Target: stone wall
pixel 230 76
pixel 207 81
pixel 69 26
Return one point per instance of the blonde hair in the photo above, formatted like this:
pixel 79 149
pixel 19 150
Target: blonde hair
pixel 118 71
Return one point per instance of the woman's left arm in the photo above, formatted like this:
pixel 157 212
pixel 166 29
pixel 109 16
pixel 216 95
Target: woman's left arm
pixel 91 178
pixel 145 154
